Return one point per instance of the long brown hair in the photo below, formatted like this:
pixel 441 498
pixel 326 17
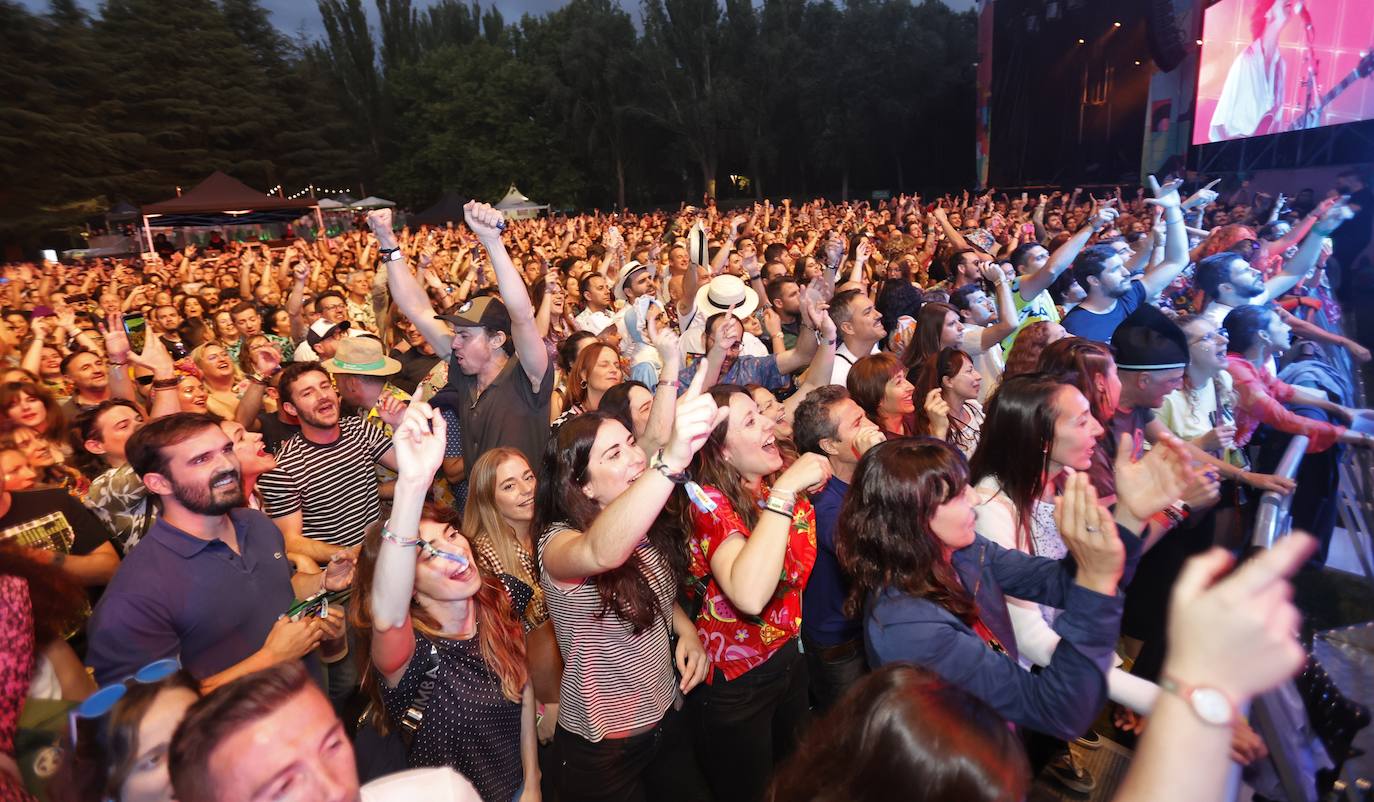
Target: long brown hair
pixel 884 539
pixel 1018 437
pixel 625 591
pixel 902 727
pixel 53 424
pixel 930 327
pixel 710 469
pixel 500 638
pixel 1081 363
pixel 944 364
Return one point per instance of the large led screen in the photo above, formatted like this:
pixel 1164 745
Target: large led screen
pixel 1282 65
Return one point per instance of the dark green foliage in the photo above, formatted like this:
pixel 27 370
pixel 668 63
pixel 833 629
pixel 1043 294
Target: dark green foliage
pixel 577 107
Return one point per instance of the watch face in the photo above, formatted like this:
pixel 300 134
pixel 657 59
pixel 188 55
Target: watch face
pixel 1211 705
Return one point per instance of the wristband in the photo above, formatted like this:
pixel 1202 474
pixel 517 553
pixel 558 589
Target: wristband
pixel 780 505
pixel 166 384
pixel 118 364
pixel 392 537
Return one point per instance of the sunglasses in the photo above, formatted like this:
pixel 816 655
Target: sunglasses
pixel 103 701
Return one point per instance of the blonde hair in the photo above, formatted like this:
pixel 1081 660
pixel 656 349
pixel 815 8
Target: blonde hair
pixel 197 356
pixel 483 524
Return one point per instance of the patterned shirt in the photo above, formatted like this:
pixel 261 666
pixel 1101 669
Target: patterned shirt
pixel 734 641
pixel 120 500
pixel 1261 398
pixel 760 370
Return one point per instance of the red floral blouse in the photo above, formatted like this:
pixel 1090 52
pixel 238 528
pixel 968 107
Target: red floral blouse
pixel 737 642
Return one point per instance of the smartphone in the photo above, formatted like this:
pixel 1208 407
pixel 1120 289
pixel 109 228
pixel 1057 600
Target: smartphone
pixel 49 255
pixel 1028 229
pixel 137 329
pixel 318 605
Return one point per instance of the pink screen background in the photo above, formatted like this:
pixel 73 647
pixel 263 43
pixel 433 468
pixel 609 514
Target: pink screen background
pixel 1344 29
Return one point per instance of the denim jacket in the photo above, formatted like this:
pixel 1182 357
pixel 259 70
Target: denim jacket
pixel 1061 700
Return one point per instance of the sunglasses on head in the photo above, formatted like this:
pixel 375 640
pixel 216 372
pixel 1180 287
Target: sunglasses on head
pixel 103 701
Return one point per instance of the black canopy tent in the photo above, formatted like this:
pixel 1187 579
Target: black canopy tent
pixel 224 201
pixel 448 209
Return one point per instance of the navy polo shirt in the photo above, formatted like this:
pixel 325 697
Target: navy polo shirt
pixel 823 621
pixel 1100 326
pixel 179 596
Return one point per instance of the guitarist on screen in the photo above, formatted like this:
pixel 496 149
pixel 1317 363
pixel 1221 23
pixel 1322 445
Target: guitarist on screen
pixel 1252 97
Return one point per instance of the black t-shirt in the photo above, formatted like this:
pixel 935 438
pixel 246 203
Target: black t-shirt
pixel 51 519
pixel 275 431
pixel 415 366
pixel 510 412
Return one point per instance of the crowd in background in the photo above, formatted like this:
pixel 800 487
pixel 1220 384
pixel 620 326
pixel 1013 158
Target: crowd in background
pixel 614 506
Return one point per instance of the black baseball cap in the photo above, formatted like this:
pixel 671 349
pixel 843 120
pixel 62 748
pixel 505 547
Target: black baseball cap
pixel 1149 340
pixel 486 311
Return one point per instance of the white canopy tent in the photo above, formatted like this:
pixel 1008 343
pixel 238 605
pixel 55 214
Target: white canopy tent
pixel 373 202
pixel 331 205
pixel 518 207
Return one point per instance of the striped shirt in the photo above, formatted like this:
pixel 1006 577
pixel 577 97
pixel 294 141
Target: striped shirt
pixel 613 681
pixel 333 485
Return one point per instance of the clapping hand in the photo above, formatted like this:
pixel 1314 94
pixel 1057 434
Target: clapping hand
pixel 1154 482
pixel 1090 535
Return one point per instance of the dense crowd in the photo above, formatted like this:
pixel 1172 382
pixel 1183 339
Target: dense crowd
pixel 732 505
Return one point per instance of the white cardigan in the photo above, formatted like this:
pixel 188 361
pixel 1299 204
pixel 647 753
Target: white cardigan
pixel 1035 639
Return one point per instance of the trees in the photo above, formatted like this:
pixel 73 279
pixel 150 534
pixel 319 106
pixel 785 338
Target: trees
pixel 801 96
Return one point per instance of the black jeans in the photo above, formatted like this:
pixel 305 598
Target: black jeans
pixel 750 724
pixel 658 764
pixel 832 670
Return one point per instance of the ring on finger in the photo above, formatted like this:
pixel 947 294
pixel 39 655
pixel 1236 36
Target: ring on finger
pixel 1090 528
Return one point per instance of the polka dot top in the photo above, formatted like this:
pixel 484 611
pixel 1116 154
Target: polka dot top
pixel 468 724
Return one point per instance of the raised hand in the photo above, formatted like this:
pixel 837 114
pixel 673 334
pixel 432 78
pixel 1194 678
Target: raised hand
pixel 937 409
pixel 1103 218
pixel 1203 197
pixel 664 340
pixel 419 442
pixel 379 220
pixel 155 356
pixel 772 324
pixel 485 221
pixel 697 416
pixel 1333 217
pixel 1090 535
pixel 117 346
pixel 1165 196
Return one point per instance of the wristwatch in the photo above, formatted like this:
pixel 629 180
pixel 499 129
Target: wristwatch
pixel 1209 704
pixel 392 255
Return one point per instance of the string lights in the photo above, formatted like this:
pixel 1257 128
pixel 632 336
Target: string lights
pixel 307 190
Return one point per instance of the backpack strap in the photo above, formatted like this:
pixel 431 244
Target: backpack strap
pixel 414 716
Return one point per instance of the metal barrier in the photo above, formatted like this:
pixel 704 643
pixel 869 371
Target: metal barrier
pixel 1272 520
